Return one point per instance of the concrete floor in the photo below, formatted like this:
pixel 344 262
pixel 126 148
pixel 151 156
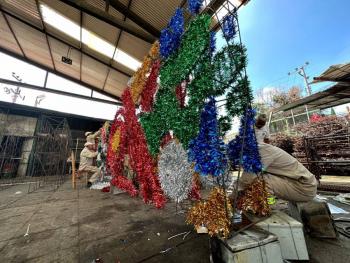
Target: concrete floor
pixel 81 225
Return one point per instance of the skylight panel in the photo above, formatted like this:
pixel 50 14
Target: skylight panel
pixel 72 29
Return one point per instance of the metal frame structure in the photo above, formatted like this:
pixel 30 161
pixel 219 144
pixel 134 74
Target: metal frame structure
pixel 51 148
pixel 40 156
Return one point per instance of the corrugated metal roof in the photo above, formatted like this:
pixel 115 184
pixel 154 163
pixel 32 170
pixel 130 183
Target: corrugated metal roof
pixel 338 94
pixel 340 72
pixel 43 42
pixel 155 12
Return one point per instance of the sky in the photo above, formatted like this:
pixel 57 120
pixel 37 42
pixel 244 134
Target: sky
pixel 281 35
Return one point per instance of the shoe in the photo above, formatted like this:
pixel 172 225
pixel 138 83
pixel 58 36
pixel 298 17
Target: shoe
pixel 88 184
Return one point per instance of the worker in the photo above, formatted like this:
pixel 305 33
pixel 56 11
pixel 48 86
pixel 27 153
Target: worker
pixel 285 177
pixel 262 132
pixel 86 162
pixel 91 137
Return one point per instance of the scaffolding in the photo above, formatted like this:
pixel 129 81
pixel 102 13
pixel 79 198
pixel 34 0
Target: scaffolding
pixel 51 149
pixel 33 151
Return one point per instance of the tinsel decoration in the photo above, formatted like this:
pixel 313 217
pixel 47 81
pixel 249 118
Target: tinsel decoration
pixel 254 198
pixel 251 161
pixel 207 151
pixel 181 94
pixel 139 79
pixel 175 173
pixel 140 160
pixel 116 140
pixel 228 65
pixel 215 214
pixel 229 27
pixel 170 37
pixel 147 95
pixel 194 42
pixel 154 51
pixel 212 42
pixel 194 6
pixel 166 139
pixel 166 114
pixel 196 186
pixel 125 184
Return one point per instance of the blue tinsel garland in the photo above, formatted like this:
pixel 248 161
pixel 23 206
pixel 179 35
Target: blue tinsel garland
pixel 229 27
pixel 170 37
pixel 208 150
pixel 194 6
pixel 251 161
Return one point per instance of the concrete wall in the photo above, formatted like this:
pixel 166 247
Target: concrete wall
pixel 22 126
pixel 17 125
pixel 26 150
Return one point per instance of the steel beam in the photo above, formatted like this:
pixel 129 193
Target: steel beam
pixel 115 45
pixel 63 41
pixel 36 64
pixel 46 37
pixel 135 18
pixel 30 86
pixel 109 19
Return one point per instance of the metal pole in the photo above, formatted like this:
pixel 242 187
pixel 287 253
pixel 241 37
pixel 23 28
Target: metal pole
pixel 291 111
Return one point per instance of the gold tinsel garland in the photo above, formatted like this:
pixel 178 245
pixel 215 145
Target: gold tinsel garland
pixel 212 214
pixel 140 76
pixel 116 140
pixel 254 198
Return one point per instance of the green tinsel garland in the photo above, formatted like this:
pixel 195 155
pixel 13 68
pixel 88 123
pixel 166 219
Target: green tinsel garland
pixel 228 64
pixel 209 77
pixel 194 42
pixel 166 114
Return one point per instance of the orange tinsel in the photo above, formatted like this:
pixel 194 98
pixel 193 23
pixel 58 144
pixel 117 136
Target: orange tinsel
pixel 154 51
pixel 212 214
pixel 140 76
pixel 254 198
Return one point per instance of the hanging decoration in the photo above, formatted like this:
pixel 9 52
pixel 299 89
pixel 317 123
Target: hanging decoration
pixel 196 186
pixel 147 95
pixel 212 43
pixel 181 94
pixel 215 214
pixel 140 160
pixel 250 161
pixel 175 173
pixel 170 37
pixel 194 42
pixel 207 150
pixel 101 160
pixel 167 113
pixel 140 77
pixel 255 198
pixel 194 6
pixel 229 27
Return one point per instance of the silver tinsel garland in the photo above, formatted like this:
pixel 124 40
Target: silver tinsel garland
pixel 175 172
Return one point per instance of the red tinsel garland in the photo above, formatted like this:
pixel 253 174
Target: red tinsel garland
pixel 140 158
pixel 125 184
pixel 181 93
pixel 133 142
pixel 196 186
pixel 147 95
pixel 167 138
